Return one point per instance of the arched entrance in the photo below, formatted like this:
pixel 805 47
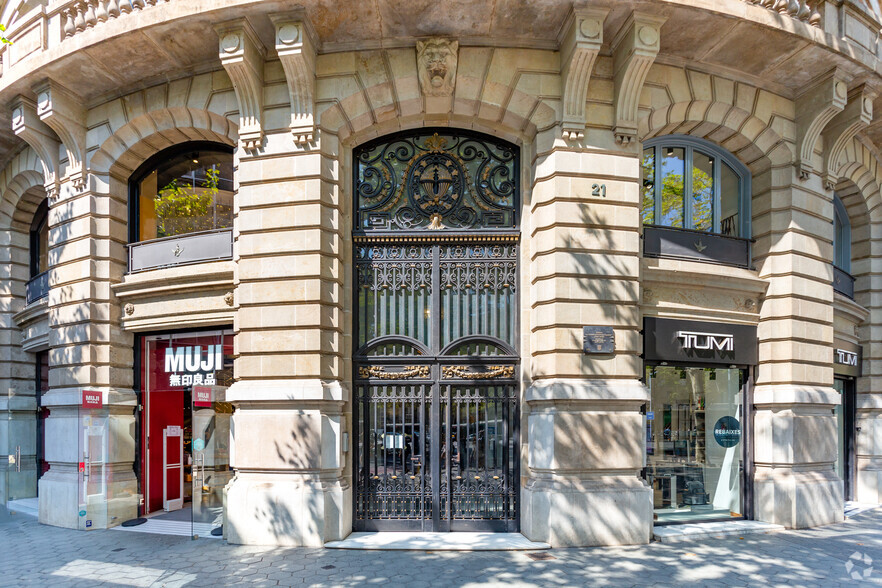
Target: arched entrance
pixel 436 407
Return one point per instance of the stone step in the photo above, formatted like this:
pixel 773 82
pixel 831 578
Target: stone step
pixel 26 506
pixel 437 542
pixel 694 531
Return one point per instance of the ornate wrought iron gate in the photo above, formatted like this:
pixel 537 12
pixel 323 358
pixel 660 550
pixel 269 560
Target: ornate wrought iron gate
pixel 436 407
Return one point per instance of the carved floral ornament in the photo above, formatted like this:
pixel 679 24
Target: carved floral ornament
pixel 436 62
pixel 409 372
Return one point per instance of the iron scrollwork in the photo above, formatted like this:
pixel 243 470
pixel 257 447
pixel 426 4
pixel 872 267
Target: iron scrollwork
pixel 437 180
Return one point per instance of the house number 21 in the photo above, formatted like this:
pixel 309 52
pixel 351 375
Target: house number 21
pixel 598 190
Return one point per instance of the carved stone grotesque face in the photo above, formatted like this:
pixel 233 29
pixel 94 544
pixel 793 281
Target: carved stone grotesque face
pixel 436 60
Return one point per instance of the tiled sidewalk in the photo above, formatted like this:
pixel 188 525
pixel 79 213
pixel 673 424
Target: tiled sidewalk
pixel 36 555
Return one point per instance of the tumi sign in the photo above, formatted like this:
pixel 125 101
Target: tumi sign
pixel 846 359
pixel 698 342
pixel 92 399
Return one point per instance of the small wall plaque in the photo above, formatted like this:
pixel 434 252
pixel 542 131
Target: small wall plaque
pixel 598 340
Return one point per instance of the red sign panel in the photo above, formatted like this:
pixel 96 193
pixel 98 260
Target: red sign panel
pixel 201 396
pixel 92 399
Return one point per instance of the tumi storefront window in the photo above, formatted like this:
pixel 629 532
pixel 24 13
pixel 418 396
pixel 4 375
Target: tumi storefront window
pixel 185 426
pixel 697 426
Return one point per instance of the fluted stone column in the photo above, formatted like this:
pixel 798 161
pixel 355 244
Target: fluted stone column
pixel 795 442
pixel 287 428
pixel 88 351
pixel 585 445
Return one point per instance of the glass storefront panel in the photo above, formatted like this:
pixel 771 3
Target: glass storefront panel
pixel 839 466
pixel 186 425
pixel 694 445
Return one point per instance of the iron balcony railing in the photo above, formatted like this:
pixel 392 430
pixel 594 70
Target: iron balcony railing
pixel 843 282
pixel 38 287
pixel 676 243
pixel 181 250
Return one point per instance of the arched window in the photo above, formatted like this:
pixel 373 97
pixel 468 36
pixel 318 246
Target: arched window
pixel 692 184
pixel 841 236
pixel 186 189
pixel 185 195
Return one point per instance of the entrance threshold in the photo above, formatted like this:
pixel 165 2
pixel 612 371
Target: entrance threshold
pixel 852 508
pixel 25 506
pixel 693 531
pixel 176 522
pixel 400 541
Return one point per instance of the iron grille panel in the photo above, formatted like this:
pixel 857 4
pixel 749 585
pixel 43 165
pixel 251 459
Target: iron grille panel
pixel 437 403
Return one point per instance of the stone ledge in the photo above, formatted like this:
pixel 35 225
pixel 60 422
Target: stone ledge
pixel 788 394
pixel 33 312
pixel 188 278
pixel 697 274
pixel 590 390
pixel 697 531
pixel 438 542
pixel 286 390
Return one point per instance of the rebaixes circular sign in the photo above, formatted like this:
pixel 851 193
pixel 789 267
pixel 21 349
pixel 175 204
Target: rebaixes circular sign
pixel 727 431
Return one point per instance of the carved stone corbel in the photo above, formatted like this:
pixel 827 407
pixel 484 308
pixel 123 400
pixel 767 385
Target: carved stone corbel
pixel 437 59
pixel 815 108
pixel 26 124
pixel 242 55
pixel 634 49
pixel 65 114
pixel 297 49
pixel 581 37
pixel 856 115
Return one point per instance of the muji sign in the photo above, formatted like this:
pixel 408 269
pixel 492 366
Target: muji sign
pixel 92 399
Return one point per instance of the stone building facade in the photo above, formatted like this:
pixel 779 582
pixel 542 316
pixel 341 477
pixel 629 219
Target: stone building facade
pixel 766 107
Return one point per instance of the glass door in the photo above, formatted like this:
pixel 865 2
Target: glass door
pixel 210 450
pixel 845 423
pixel 92 462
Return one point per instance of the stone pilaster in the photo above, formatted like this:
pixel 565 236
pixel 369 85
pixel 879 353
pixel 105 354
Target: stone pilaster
pixel 17 390
pixel 794 427
pixel 289 421
pixel 88 351
pixel 585 437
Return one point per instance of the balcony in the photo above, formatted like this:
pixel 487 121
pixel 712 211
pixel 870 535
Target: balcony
pixel 675 243
pixel 843 282
pixel 38 287
pixel 181 250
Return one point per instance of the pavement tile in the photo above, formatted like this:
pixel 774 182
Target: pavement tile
pixel 38 555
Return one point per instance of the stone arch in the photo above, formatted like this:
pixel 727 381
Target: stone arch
pixel 370 100
pixel 18 180
pixel 21 192
pixel 753 141
pixel 133 143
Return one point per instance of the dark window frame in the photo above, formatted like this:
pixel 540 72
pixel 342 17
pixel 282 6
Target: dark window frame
pixel 842 243
pixel 41 219
pixel 689 145
pixel 150 165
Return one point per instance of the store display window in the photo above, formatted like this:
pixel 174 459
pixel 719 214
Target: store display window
pixel 186 420
pixel 694 442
